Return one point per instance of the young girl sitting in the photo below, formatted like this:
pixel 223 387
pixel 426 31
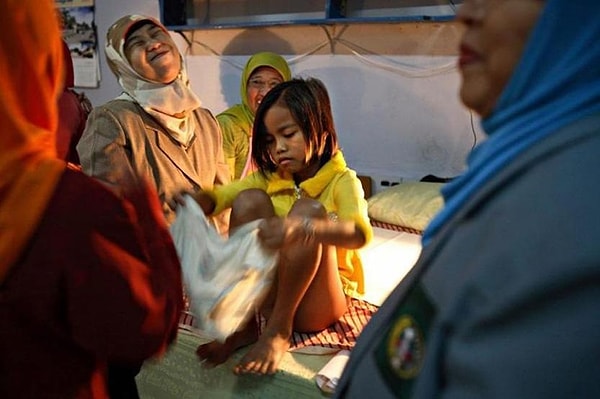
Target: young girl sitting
pixel 314 212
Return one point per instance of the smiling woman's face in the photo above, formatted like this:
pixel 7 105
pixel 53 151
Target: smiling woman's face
pixel 260 82
pixel 495 36
pixel 153 54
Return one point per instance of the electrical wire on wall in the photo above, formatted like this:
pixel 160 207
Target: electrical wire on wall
pixel 393 66
pixel 334 35
pixel 332 38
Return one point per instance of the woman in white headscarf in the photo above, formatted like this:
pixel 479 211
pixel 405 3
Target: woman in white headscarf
pixel 157 122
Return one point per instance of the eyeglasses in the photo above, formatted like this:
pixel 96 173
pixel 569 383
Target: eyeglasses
pixel 260 84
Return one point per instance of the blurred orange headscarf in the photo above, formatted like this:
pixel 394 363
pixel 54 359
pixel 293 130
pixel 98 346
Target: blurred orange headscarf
pixel 31 74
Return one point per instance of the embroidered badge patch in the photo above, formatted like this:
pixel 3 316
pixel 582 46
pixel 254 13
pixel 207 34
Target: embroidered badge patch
pixel 405 348
pixel 401 353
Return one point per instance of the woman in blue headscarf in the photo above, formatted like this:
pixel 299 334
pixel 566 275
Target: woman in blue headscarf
pixel 503 302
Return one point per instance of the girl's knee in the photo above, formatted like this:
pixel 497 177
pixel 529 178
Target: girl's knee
pixel 308 207
pixel 250 205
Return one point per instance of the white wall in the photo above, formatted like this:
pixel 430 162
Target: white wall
pixel 393 86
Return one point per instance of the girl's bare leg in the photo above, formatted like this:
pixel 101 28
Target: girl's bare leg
pixel 309 297
pixel 248 206
pixel 293 280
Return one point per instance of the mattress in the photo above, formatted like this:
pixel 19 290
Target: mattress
pixel 390 255
pixel 179 374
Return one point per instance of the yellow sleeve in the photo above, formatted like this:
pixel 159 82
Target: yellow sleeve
pixel 224 195
pixel 351 203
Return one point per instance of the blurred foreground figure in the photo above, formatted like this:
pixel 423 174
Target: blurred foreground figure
pixel 86 279
pixel 503 302
pixel 74 108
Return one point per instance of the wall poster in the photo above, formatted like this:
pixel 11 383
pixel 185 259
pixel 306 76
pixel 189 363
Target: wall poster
pixel 79 31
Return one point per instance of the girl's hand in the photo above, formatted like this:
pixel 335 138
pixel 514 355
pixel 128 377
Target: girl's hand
pixel 203 199
pixel 177 200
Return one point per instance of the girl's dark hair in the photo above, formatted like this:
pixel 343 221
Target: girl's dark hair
pixel 309 104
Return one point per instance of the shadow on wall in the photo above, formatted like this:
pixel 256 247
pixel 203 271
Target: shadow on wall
pixel 246 43
pixel 347 98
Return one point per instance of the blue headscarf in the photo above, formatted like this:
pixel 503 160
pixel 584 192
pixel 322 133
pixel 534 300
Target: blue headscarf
pixel 556 82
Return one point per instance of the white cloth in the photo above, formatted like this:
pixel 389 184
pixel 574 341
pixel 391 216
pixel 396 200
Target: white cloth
pixel 225 279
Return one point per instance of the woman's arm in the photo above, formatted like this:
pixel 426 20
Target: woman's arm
pixel 103 140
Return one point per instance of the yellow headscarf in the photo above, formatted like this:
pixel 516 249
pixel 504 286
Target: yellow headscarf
pixel 32 72
pixel 242 113
pixel 240 116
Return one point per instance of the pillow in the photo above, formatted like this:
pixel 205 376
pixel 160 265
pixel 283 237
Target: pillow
pixel 409 204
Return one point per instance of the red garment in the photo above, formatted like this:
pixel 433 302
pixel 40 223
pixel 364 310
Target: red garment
pixel 72 114
pixel 98 282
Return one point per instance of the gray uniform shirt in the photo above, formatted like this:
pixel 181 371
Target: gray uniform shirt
pixel 514 279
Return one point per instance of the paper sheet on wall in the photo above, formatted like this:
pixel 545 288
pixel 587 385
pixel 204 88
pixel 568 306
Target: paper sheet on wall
pixel 79 31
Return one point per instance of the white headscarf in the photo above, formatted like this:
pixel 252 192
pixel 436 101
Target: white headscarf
pixel 162 101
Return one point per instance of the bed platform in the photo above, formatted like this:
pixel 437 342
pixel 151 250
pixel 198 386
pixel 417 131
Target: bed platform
pixel 390 255
pixel 180 375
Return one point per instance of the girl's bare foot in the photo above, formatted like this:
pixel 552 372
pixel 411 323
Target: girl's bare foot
pixel 264 356
pixel 214 353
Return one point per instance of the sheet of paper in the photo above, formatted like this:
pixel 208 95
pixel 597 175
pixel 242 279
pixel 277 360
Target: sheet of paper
pixel 328 377
pixel 77 18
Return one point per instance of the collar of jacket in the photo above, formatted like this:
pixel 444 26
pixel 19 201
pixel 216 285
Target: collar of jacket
pixel 313 186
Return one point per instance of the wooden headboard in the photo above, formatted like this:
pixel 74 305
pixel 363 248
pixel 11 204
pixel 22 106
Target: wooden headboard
pixel 367 184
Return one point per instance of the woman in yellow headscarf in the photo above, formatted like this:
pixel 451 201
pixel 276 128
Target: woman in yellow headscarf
pixel 262 72
pixel 82 283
